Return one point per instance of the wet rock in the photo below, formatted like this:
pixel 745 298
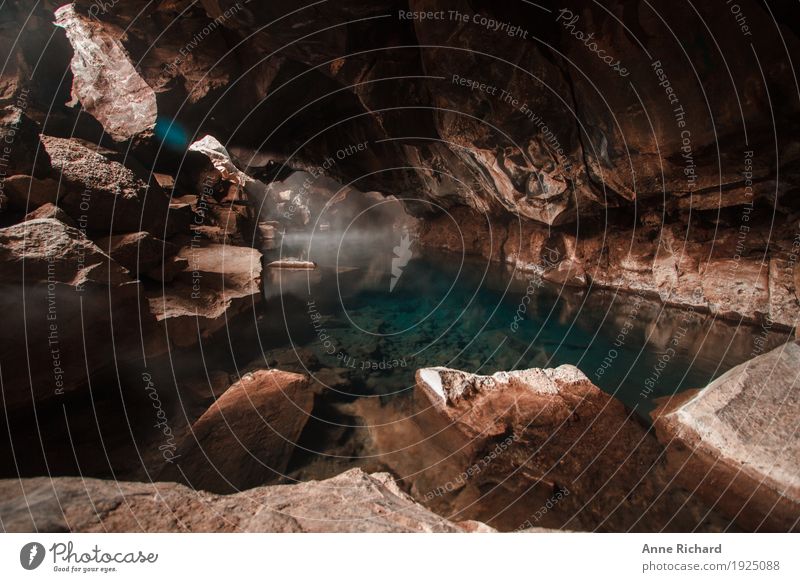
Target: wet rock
pixel 735 441
pixel 350 502
pixel 247 436
pixel 104 194
pixel 105 80
pixel 523 440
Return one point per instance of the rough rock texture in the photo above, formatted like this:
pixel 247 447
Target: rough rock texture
pixel 78 310
pixel 720 273
pixel 47 250
pixel 104 194
pixel 350 502
pixel 139 252
pixel 50 210
pixel 542 435
pixel 247 436
pixel 736 443
pixel 105 80
pixel 217 282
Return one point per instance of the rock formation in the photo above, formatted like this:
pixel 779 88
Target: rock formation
pixel 545 437
pixel 735 442
pixel 350 502
pixel 247 436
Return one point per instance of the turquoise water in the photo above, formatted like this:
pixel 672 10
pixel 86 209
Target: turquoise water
pixel 448 310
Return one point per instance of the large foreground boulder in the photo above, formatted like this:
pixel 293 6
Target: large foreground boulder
pixel 247 436
pixel 216 283
pixel 350 502
pixel 736 441
pixel 104 195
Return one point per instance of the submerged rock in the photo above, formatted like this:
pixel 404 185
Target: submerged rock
pixel 105 80
pixel 543 447
pixel 351 502
pixel 247 436
pixel 736 443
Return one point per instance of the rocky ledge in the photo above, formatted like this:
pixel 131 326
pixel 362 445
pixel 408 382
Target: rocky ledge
pixel 736 443
pixel 350 502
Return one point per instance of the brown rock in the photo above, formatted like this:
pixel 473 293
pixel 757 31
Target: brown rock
pixel 105 81
pixel 542 437
pixel 76 309
pixel 47 250
pixel 50 210
pixel 216 283
pixel 247 436
pixel 138 252
pixel 103 193
pixel 22 150
pixel 735 441
pixel 350 502
pixel 26 192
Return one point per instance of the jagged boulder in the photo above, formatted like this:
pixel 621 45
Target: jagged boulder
pixel 103 194
pixel 735 442
pixel 105 80
pixel 538 438
pixel 247 436
pixel 351 502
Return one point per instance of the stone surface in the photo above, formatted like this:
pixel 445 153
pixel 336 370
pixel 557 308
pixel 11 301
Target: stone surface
pixel 139 252
pixel 542 438
pixel 217 283
pixel 105 81
pixel 350 502
pixel 26 192
pixel 47 250
pixel 105 194
pixel 77 308
pixel 735 441
pixel 711 275
pixel 247 436
pixel 50 210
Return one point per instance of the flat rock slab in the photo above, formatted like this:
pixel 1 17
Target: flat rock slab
pixel 736 441
pixel 350 502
